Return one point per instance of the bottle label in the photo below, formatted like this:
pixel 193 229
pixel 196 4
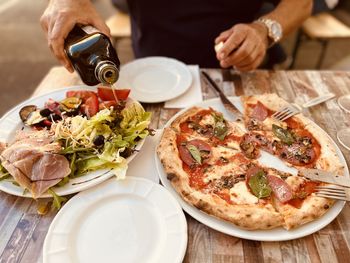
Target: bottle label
pixel 89 29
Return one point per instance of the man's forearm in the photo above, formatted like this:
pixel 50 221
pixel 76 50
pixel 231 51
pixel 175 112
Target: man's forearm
pixel 291 14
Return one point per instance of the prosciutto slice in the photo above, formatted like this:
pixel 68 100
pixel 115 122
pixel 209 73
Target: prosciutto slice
pixel 34 162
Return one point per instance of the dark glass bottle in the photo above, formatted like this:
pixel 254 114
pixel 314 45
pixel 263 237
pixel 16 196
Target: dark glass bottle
pixel 92 55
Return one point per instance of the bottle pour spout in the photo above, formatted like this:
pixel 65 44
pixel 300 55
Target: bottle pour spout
pixel 107 72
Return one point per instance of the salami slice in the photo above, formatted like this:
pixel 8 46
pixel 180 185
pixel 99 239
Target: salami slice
pixel 185 154
pixel 260 112
pixel 280 188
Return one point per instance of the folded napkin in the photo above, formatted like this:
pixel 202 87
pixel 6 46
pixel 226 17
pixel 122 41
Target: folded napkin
pixel 143 165
pixel 192 95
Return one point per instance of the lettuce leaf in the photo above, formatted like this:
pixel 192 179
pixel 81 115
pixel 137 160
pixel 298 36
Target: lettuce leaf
pixel 134 123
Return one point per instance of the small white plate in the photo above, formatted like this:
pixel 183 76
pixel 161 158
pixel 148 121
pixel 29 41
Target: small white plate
pixel 155 79
pixel 276 234
pixel 131 220
pixel 11 122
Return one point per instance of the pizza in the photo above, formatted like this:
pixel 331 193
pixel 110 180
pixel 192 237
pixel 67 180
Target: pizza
pixel 214 164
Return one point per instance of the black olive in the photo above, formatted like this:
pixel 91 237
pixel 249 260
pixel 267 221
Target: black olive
pixel 45 112
pixel 71 113
pixel 126 153
pixel 55 117
pixel 99 140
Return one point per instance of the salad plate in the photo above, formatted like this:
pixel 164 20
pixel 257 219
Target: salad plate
pixel 118 221
pixel 276 234
pixel 11 122
pixel 155 79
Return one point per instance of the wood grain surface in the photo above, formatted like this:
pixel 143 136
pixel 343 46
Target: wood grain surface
pixel 22 230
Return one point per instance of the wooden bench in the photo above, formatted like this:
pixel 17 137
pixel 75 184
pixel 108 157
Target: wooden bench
pixel 322 28
pixel 119 25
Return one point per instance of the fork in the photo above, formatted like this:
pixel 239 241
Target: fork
pixel 293 108
pixel 333 192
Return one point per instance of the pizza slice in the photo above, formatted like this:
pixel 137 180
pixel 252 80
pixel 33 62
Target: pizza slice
pixel 297 141
pixel 292 196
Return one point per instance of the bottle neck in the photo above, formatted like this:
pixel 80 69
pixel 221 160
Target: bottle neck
pixel 107 72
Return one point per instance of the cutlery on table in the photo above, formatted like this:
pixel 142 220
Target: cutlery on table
pixel 324 176
pixel 225 101
pixel 333 192
pixel 339 188
pixel 293 108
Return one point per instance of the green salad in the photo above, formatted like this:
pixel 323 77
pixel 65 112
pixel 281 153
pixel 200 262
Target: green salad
pixel 103 141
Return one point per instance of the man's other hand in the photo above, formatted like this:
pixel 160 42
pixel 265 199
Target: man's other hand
pixel 59 19
pixel 244 46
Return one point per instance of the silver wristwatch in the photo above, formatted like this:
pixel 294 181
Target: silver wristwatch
pixel 274 29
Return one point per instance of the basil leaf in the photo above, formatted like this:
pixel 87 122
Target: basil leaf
pixel 220 129
pixel 195 153
pixel 283 134
pixel 259 185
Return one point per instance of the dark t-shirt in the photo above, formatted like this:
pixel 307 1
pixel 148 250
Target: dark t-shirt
pixel 186 29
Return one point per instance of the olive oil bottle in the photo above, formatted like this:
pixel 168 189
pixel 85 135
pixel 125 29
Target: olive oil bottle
pixel 92 55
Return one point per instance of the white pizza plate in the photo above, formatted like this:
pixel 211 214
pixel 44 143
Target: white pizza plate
pixel 276 234
pixel 131 220
pixel 155 79
pixel 11 122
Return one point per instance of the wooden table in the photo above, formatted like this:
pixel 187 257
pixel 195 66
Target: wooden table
pixel 22 230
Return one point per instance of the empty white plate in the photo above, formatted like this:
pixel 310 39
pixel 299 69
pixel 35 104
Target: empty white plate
pixel 155 79
pixel 131 220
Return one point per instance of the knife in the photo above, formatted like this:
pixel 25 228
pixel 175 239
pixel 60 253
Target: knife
pixel 324 176
pixel 225 101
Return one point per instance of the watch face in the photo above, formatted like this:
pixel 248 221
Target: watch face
pixel 276 30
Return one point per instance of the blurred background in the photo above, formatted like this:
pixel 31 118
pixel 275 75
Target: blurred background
pixel 322 43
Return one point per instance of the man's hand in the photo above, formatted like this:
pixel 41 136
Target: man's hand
pixel 59 19
pixel 244 46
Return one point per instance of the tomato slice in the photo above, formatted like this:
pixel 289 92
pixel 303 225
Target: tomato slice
pixel 106 93
pixel 91 106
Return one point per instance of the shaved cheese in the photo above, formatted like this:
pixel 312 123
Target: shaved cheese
pixel 240 194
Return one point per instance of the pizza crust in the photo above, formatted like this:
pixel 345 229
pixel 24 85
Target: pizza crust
pixel 312 208
pixel 248 216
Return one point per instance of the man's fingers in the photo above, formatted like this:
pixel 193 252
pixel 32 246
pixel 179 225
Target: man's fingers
pixel 56 39
pixel 247 52
pixel 223 36
pixel 100 25
pixel 235 40
pixel 252 65
pixel 44 24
